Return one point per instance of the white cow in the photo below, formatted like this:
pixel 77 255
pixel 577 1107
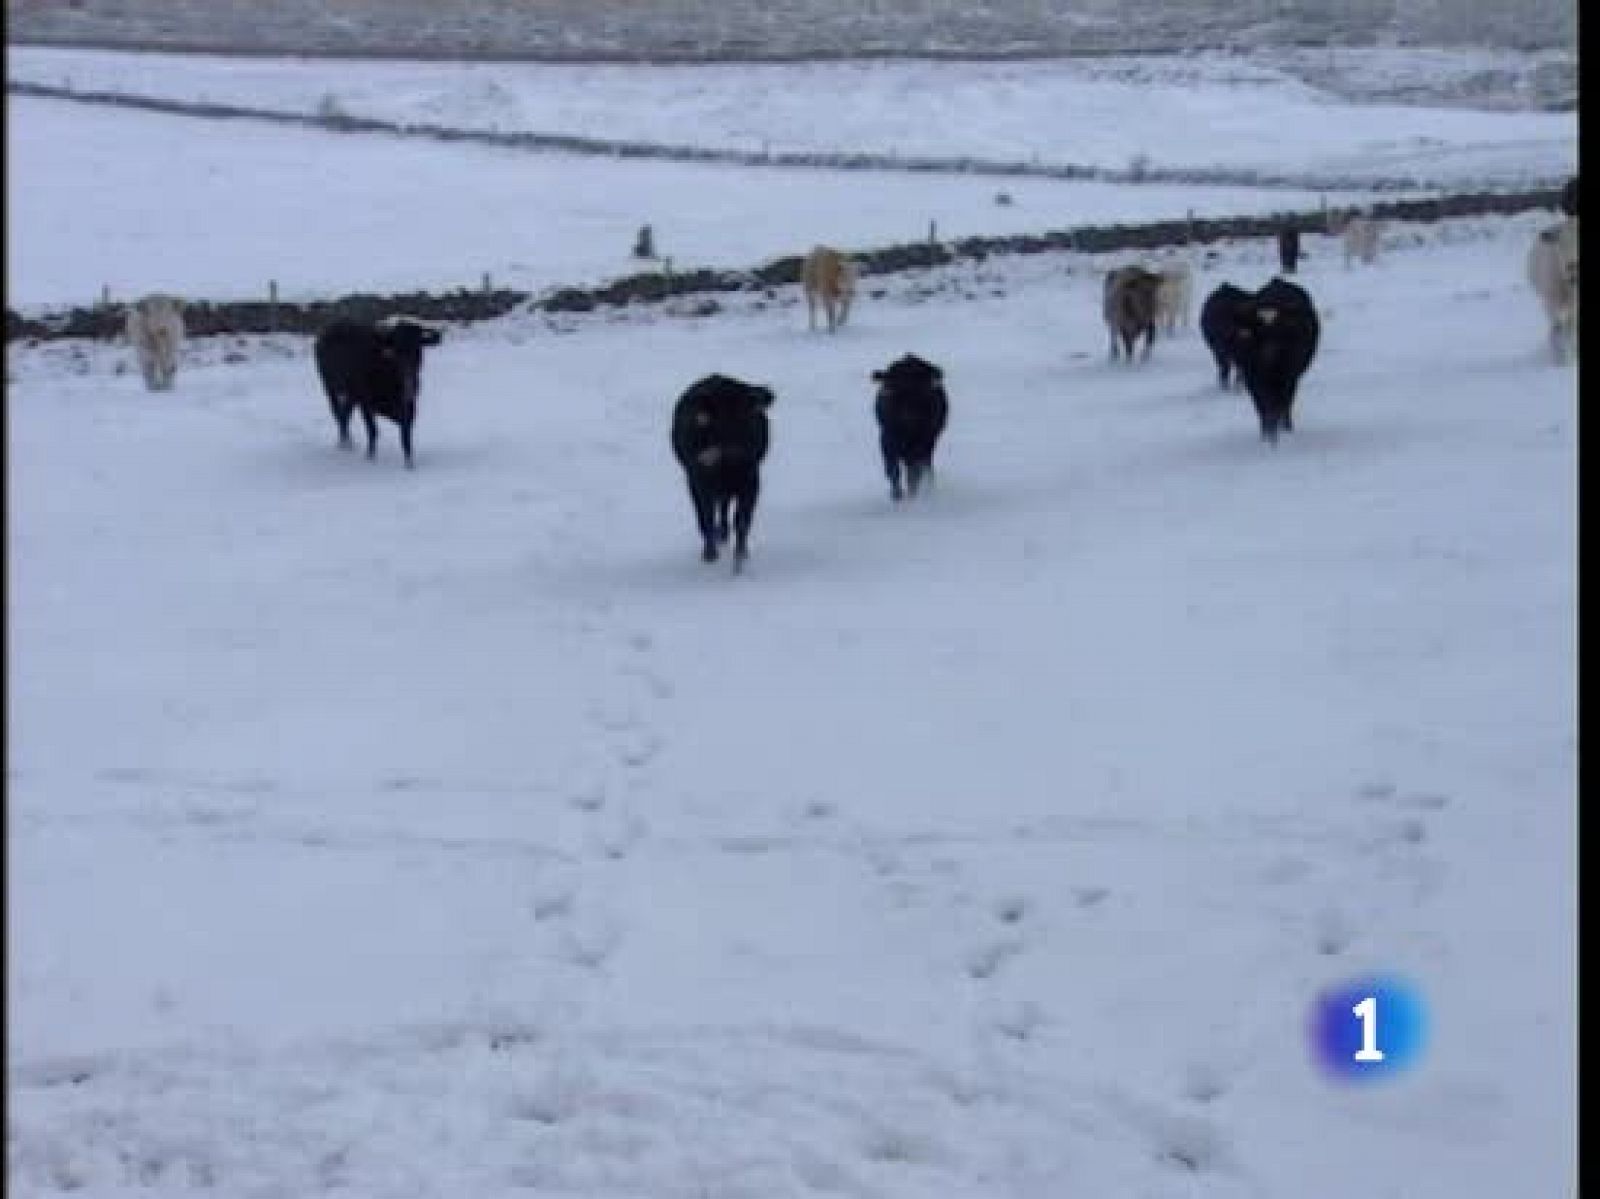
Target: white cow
pixel 1553 271
pixel 1175 295
pixel 155 327
pixel 1361 238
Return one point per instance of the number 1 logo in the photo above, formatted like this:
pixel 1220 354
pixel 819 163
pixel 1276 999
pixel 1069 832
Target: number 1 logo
pixel 1367 1010
pixel 1367 1029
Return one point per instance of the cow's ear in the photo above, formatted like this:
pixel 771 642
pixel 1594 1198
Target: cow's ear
pixel 764 396
pixel 938 373
pixel 877 376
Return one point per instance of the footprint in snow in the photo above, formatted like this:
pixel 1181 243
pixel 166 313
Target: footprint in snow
pixel 590 798
pixel 1011 909
pixel 1333 933
pixel 1204 1082
pixel 985 961
pixel 638 750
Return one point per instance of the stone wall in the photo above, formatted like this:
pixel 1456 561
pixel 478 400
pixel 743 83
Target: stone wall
pixel 205 318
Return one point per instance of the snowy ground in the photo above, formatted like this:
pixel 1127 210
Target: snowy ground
pixel 456 832
pixel 327 214
pixel 1201 111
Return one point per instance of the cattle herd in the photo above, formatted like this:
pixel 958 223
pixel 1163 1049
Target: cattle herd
pixel 1266 340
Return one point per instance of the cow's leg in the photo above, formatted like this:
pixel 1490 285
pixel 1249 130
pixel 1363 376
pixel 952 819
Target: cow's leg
pixel 405 442
pixel 342 410
pixel 914 471
pixel 147 367
pixel 811 311
pixel 1267 419
pixel 1223 368
pixel 703 502
pixel 891 467
pixel 723 506
pixel 743 514
pixel 1149 340
pixel 371 422
pixel 1269 427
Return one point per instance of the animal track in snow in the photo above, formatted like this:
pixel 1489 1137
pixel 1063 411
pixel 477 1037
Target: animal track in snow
pixel 589 798
pixel 1333 932
pixel 615 837
pixel 553 898
pixel 638 748
pixel 1019 1021
pixel 985 961
pixel 1203 1082
pixel 1386 792
pixel 590 941
pixel 1011 909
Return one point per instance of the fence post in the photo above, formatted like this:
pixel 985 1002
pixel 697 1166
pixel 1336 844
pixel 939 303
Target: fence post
pixel 487 288
pixel 105 295
pixel 272 304
pixel 933 233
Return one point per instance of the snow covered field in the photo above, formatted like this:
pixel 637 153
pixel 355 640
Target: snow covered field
pixel 457 833
pixel 326 214
pixel 1201 111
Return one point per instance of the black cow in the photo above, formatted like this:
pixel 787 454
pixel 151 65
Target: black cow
pixel 1218 316
pixel 912 409
pixel 1289 247
pixel 376 368
pixel 1274 340
pixel 719 435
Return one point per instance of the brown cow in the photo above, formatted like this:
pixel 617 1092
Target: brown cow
pixel 1130 306
pixel 829 277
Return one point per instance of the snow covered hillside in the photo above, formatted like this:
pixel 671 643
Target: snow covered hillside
pixel 1205 111
pixel 457 833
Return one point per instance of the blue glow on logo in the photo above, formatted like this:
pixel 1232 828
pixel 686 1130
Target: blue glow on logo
pixel 1368 1029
